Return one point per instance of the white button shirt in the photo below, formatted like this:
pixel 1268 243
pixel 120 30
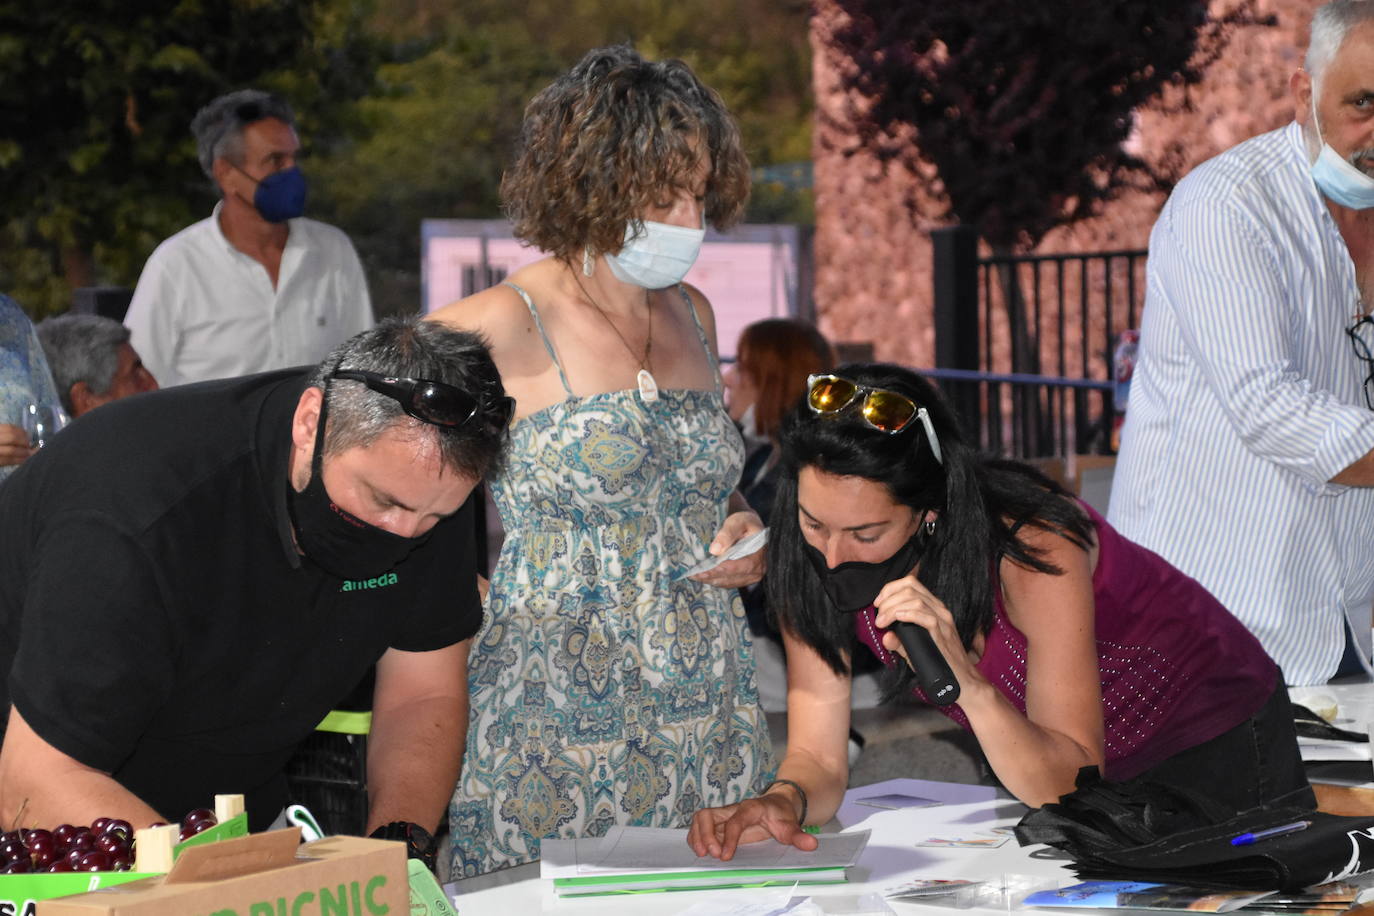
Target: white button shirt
pixel 203 309
pixel 1247 399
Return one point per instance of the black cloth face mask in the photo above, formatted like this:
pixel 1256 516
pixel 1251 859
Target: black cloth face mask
pixel 334 539
pixel 852 586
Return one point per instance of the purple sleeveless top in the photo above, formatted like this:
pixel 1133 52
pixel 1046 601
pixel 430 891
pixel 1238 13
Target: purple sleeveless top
pixel 1177 668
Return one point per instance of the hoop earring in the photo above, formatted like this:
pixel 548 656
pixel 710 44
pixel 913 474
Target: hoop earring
pixel 588 263
pixel 930 527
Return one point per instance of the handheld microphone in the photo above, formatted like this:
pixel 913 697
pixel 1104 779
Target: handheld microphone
pixel 932 671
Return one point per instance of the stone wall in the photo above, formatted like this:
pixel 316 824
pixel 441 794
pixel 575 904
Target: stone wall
pixel 873 257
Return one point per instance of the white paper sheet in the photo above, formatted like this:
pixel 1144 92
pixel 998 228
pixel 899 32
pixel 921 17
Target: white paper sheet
pixel 1331 749
pixel 626 850
pixel 741 548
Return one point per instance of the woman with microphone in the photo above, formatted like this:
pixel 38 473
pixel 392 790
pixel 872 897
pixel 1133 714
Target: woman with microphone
pixel 1056 641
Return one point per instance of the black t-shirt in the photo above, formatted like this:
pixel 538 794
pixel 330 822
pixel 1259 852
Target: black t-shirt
pixel 156 621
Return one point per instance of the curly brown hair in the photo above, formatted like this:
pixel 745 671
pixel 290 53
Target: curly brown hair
pixel 607 141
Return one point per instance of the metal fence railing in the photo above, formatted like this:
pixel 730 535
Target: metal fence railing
pixel 1024 343
pixel 1028 416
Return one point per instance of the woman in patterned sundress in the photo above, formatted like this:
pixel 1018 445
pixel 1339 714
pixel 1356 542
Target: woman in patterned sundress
pixel 606 687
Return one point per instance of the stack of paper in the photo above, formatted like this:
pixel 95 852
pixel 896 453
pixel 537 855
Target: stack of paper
pixel 631 860
pixel 1327 749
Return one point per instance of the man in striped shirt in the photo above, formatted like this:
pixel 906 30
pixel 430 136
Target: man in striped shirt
pixel 1247 457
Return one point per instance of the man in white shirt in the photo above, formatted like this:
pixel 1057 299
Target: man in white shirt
pixel 256 286
pixel 1246 455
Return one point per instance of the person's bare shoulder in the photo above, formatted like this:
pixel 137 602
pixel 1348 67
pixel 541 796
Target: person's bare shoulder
pixel 503 319
pixel 487 312
pixel 705 314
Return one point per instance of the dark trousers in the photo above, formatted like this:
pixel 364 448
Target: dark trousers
pixel 1256 763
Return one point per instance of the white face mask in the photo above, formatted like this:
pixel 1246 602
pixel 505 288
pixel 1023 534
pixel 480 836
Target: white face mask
pixel 749 428
pixel 1337 177
pixel 659 256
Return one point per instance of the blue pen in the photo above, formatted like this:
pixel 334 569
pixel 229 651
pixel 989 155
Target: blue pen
pixel 1245 839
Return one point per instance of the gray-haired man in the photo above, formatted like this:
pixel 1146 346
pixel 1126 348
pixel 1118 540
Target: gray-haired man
pixel 194 577
pixel 1247 458
pixel 256 286
pixel 92 361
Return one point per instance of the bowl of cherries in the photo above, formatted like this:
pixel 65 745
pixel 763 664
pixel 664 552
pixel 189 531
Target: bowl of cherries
pixel 107 844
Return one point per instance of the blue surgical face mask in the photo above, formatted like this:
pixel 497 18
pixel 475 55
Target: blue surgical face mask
pixel 659 256
pixel 281 195
pixel 1337 177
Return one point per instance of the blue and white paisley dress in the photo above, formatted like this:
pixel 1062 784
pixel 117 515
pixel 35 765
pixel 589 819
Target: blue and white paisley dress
pixel 603 689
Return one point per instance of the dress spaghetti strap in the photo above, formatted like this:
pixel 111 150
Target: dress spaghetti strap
pixel 701 335
pixel 548 344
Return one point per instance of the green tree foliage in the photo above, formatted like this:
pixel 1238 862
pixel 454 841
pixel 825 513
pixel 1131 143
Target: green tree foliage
pixel 442 122
pixel 408 109
pixel 97 164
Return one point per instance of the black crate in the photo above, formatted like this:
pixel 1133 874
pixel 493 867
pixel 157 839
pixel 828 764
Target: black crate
pixel 328 775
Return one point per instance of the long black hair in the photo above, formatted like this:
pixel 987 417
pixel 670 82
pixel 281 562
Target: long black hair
pixel 983 503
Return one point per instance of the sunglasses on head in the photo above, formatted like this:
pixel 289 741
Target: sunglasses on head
pixel 437 403
pixel 886 411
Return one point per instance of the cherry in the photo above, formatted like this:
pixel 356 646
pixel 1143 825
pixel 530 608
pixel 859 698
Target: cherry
pixel 42 847
pixel 17 867
pixel 110 843
pixel 63 834
pixel 59 866
pixel 121 862
pixel 192 829
pixel 13 851
pixel 94 861
pixel 118 826
pixel 99 824
pixel 37 834
pixel 198 814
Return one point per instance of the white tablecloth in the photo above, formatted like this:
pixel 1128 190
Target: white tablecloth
pixel 891 858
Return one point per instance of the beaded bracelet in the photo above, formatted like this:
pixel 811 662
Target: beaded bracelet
pixel 801 793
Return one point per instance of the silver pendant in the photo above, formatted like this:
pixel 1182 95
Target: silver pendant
pixel 648 388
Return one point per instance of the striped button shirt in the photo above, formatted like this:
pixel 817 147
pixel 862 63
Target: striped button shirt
pixel 1247 399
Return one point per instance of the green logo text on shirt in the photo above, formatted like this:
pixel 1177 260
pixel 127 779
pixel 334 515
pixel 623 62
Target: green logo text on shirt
pixel 353 585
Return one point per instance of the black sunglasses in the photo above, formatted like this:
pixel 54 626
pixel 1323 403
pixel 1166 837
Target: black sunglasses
pixel 438 403
pixel 1362 341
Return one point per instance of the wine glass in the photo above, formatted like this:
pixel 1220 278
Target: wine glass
pixel 42 422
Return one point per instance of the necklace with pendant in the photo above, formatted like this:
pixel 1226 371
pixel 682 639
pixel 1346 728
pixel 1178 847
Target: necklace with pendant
pixel 648 386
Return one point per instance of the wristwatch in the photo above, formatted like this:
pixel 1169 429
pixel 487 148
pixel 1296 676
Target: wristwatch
pixel 419 844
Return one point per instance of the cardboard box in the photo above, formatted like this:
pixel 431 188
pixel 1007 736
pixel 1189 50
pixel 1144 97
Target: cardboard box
pixel 265 874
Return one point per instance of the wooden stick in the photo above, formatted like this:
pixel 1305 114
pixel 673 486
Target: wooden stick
pixel 153 848
pixel 228 807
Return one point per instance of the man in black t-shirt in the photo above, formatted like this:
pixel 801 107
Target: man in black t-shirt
pixel 191 578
